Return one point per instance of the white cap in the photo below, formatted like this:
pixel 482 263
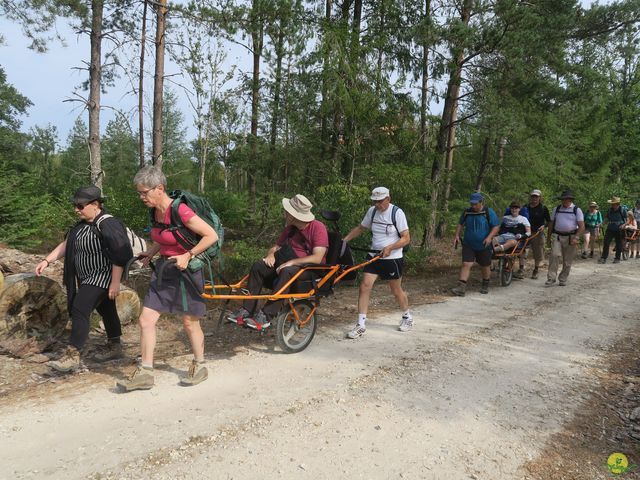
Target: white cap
pixel 536 192
pixel 379 193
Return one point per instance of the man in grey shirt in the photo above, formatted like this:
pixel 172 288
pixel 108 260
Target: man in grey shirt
pixel 567 225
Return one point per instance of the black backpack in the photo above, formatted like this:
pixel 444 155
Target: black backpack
pixel 394 210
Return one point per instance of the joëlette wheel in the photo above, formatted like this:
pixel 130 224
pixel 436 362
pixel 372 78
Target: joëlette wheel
pixel 506 271
pixel 295 334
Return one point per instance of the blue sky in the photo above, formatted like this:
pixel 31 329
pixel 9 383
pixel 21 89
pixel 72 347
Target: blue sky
pixel 49 79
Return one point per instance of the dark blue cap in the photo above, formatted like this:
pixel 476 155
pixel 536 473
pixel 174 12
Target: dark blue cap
pixel 476 198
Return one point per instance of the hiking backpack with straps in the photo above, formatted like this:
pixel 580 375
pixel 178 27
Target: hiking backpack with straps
pixel 484 211
pixel 185 237
pixel 394 210
pixel 138 244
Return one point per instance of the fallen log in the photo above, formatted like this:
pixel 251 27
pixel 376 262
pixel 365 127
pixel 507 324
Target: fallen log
pixel 32 306
pixel 128 305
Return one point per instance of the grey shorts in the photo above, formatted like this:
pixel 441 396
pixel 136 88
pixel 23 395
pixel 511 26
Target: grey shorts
pixel 176 294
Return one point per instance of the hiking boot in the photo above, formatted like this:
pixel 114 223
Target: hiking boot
pixel 616 260
pixel 562 283
pixel 70 360
pixel 406 323
pixel 110 351
pixel 196 374
pixel 238 316
pixel 460 290
pixel 484 288
pixel 356 332
pixel 258 322
pixel 549 282
pixel 602 260
pixel 519 274
pixel 584 255
pixel 140 379
pixel 534 274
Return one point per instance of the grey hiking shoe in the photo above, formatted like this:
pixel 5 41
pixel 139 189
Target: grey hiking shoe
pixel 550 281
pixel 519 274
pixel 70 360
pixel 484 288
pixel 110 351
pixel 356 332
pixel 534 274
pixel 460 290
pixel 238 316
pixel 196 374
pixel 406 323
pixel 140 379
pixel 258 322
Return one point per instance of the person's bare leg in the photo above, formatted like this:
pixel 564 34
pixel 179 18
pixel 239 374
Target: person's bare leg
pixel 147 321
pixel 196 336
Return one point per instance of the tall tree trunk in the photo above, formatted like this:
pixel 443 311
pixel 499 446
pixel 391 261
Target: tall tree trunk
pixel 484 163
pixel 451 145
pixel 380 59
pixel 257 38
pixel 324 135
pixel 143 44
pixel 424 102
pixel 95 80
pixel 447 123
pixel 158 83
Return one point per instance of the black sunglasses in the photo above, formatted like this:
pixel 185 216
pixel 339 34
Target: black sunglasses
pixel 80 206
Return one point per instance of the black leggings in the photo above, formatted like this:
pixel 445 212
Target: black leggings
pixel 612 235
pixel 89 298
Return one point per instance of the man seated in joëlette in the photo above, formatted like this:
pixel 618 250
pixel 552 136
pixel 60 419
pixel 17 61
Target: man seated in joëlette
pixel 512 229
pixel 304 240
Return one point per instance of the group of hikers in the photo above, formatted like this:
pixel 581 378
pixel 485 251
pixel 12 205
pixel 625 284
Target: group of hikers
pixel 97 250
pixel 486 235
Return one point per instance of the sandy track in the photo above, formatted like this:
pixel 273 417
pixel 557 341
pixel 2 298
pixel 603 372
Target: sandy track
pixel 473 392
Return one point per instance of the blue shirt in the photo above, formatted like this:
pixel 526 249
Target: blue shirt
pixel 476 227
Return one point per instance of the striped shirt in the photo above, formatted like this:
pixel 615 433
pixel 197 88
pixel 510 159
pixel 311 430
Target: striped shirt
pixel 91 265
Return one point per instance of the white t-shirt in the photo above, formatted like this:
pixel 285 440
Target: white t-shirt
pixel 510 221
pixel 382 230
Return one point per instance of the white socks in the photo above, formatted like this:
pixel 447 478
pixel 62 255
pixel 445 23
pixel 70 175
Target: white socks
pixel 362 317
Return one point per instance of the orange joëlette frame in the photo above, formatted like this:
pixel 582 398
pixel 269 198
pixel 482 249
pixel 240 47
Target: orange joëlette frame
pixel 519 247
pixel 331 270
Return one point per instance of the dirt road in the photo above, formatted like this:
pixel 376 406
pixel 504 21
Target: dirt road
pixel 473 392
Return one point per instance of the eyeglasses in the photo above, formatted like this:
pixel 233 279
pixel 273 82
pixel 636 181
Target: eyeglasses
pixel 145 193
pixel 80 206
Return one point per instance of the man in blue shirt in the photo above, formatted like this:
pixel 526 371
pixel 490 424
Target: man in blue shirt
pixel 480 225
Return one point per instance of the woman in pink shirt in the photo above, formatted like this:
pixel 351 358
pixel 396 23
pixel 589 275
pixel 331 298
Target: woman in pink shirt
pixel 176 294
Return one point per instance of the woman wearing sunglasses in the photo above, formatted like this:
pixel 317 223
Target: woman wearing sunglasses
pixel 94 259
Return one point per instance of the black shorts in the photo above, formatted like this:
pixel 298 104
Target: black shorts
pixel 386 269
pixel 483 257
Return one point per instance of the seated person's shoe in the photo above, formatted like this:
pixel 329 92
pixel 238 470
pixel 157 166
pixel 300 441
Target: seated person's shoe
pixel 196 374
pixel 110 351
pixel 70 360
pixel 140 379
pixel 258 322
pixel 238 316
pixel 356 332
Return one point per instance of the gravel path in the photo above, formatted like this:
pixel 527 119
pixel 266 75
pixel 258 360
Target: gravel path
pixel 473 392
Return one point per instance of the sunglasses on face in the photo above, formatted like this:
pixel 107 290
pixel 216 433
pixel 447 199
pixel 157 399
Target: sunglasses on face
pixel 80 206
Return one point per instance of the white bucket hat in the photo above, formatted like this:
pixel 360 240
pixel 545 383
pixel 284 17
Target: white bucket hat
pixel 299 207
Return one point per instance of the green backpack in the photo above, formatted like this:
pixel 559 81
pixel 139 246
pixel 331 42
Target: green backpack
pixel 186 237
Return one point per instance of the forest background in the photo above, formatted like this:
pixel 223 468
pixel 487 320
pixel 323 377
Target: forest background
pixel 531 94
